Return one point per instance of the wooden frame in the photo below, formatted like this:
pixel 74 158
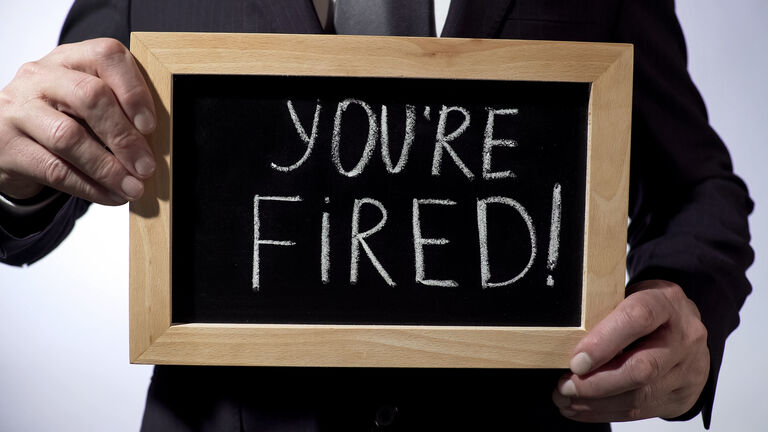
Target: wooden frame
pixel 608 67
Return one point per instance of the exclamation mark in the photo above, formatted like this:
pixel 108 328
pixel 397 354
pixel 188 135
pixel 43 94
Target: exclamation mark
pixel 554 234
pixel 325 246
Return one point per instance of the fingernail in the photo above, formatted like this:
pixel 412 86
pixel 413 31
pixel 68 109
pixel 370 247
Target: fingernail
pixel 144 121
pixel 568 413
pixel 568 389
pixel 581 363
pixel 132 187
pixel 145 166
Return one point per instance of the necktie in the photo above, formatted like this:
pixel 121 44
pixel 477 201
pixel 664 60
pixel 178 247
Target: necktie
pixel 385 17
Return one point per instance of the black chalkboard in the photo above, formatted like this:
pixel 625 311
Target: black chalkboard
pixel 238 165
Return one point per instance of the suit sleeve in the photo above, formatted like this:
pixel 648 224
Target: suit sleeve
pixel 688 209
pixel 90 19
pixel 28 240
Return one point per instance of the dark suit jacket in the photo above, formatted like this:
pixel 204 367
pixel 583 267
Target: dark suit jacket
pixel 688 225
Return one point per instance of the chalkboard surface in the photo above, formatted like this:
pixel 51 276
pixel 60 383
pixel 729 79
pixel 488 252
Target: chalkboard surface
pixel 347 200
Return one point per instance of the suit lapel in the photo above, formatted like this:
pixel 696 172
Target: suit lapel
pixel 475 19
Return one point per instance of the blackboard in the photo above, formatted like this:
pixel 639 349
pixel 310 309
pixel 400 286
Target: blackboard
pixel 244 138
pixel 378 201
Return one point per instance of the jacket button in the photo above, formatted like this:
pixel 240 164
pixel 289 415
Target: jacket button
pixel 385 416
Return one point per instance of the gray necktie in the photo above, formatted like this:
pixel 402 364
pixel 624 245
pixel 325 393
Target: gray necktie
pixel 385 17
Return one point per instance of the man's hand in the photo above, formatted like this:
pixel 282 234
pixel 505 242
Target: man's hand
pixel 74 121
pixel 648 358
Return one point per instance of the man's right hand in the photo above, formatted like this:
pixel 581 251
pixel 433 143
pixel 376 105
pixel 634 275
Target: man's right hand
pixel 61 113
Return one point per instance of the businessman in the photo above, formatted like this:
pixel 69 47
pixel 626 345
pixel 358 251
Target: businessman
pixel 72 129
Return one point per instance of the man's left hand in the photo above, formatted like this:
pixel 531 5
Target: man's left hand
pixel 647 358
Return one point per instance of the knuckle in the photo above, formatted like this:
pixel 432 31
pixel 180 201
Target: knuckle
pixel 699 332
pixel 693 308
pixel 29 69
pixel 642 370
pixel 90 91
pixel 5 103
pixel 55 171
pixel 675 294
pixel 122 141
pixel 104 170
pixel 65 134
pixel 108 49
pixel 135 96
pixel 641 315
pixel 590 340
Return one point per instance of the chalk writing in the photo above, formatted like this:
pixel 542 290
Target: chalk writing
pixel 370 143
pixel 257 241
pixel 490 142
pixel 442 141
pixel 309 140
pixel 482 226
pixel 419 242
pixel 410 121
pixel 358 239
pixel 554 233
pixel 377 132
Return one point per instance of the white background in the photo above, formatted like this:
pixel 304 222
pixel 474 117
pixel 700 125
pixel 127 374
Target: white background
pixel 64 321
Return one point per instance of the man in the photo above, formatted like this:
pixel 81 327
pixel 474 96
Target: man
pixel 658 354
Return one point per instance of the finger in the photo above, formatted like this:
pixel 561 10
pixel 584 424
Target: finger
pixel 663 392
pixel 607 417
pixel 66 138
pixel 109 60
pixel 650 360
pixel 27 159
pixel 634 405
pixel 636 316
pixel 91 99
pixel 624 407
